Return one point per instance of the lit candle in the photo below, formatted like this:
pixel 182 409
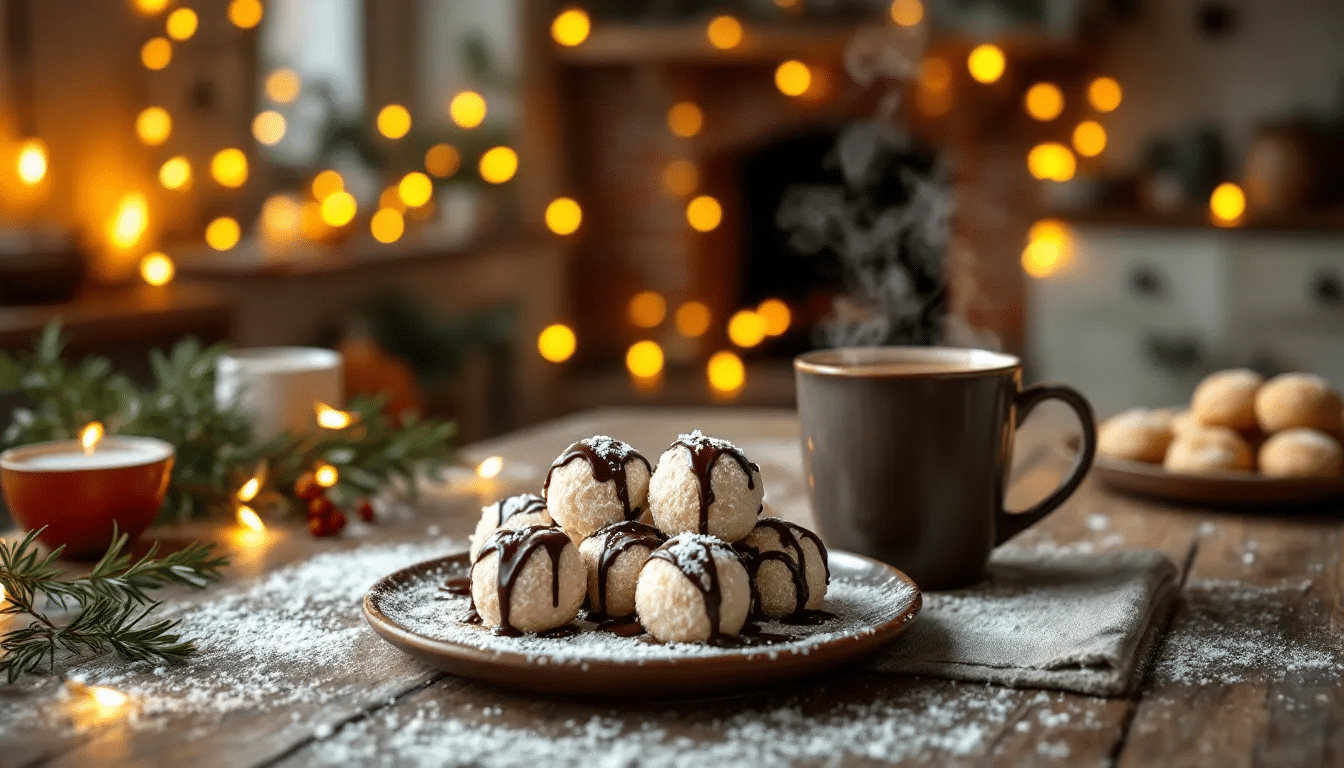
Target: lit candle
pixel 77 489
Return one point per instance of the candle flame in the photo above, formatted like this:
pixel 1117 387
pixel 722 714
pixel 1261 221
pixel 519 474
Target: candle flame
pixel 332 418
pixel 490 467
pixel 91 435
pixel 248 518
pixel 108 698
pixel 326 475
pixel 249 490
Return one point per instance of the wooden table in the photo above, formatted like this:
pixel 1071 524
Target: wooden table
pixel 1249 674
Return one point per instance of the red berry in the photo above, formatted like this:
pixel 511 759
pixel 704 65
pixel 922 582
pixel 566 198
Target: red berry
pixel 335 522
pixel 320 506
pixel 306 487
pixel 365 510
pixel 317 526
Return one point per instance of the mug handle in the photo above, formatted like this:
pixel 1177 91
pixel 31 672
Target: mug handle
pixel 1008 525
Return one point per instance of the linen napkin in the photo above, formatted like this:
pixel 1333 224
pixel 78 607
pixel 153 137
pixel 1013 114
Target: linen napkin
pixel 1044 619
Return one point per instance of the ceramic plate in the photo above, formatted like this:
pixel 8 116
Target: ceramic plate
pixel 872 601
pixel 1216 488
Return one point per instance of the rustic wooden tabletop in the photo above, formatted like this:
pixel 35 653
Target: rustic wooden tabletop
pixel 288 674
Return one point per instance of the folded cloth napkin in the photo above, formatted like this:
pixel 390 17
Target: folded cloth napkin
pixel 1044 619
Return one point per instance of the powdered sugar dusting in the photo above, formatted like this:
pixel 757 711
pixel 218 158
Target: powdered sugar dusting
pixel 691 554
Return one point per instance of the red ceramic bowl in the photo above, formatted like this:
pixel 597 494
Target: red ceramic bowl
pixel 78 497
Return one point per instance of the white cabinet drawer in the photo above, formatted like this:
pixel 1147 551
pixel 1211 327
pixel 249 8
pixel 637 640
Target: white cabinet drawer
pixel 1299 277
pixel 1286 349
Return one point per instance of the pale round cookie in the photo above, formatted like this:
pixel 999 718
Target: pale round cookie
pixel 543 580
pixel 1301 453
pixel 513 512
pixel 1298 400
pixel 787 565
pixel 1184 421
pixel 596 482
pixel 614 556
pixel 1137 434
pixel 1211 449
pixel 686 583
pixel 1227 399
pixel 705 485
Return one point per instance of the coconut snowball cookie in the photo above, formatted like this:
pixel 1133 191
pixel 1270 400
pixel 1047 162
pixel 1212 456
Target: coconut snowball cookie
pixel 1227 399
pixel 1211 449
pixel 1138 435
pixel 1303 400
pixel 787 565
pixel 614 556
pixel 514 512
pixel 705 485
pixel 1301 453
pixel 596 482
pixel 528 580
pixel 693 589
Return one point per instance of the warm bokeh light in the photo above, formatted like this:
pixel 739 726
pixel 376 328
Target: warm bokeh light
pixel 725 373
pixel 907 13
pixel 1044 101
pixel 935 73
pixel 556 343
pixel 283 85
pixel 156 53
pixel 685 119
pixel 32 162
pixel 644 359
pixel 1051 161
pixel 986 63
pixel 332 418
pixel 223 233
pixel 442 160
pixel 563 216
pixel 153 125
pixel 776 315
pixel 394 121
pixel 245 14
pixel 338 209
pixel 1089 138
pixel 281 218
pixel 693 319
pixel 249 519
pixel 129 221
pixel 249 490
pixel 498 164
pixel 327 183
pixel 490 467
pixel 91 435
pixel 387 225
pixel 391 198
pixel 229 167
pixel 107 698
pixel 571 27
pixel 326 475
pixel 1049 248
pixel 704 213
pixel 746 328
pixel 724 32
pixel 647 309
pixel 680 178
pixel 415 189
pixel 181 24
pixel 1104 94
pixel 150 7
pixel 157 269
pixel 467 109
pixel 268 127
pixel 793 78
pixel 175 173
pixel 1227 204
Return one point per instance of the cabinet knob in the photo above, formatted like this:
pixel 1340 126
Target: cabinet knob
pixel 1175 352
pixel 1327 289
pixel 1146 282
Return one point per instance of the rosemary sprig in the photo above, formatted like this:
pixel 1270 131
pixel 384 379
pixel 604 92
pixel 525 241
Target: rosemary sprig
pixel 112 603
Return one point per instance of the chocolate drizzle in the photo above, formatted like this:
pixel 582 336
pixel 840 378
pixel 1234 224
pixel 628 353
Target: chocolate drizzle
pixel 513 506
pixel 793 557
pixel 616 539
pixel 514 548
pixel 607 458
pixel 693 555
pixel 705 452
pixel 459 586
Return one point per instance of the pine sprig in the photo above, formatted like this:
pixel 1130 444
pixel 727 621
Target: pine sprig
pixel 112 603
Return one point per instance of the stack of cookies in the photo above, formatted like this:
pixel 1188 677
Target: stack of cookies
pixel 1289 426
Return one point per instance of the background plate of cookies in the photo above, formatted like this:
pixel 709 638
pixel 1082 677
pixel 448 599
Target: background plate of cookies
pixel 1243 440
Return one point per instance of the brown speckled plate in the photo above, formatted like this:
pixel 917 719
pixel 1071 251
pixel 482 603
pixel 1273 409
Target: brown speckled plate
pixel 1240 489
pixel 873 602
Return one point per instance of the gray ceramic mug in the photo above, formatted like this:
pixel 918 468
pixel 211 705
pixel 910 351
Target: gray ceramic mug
pixel 907 452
